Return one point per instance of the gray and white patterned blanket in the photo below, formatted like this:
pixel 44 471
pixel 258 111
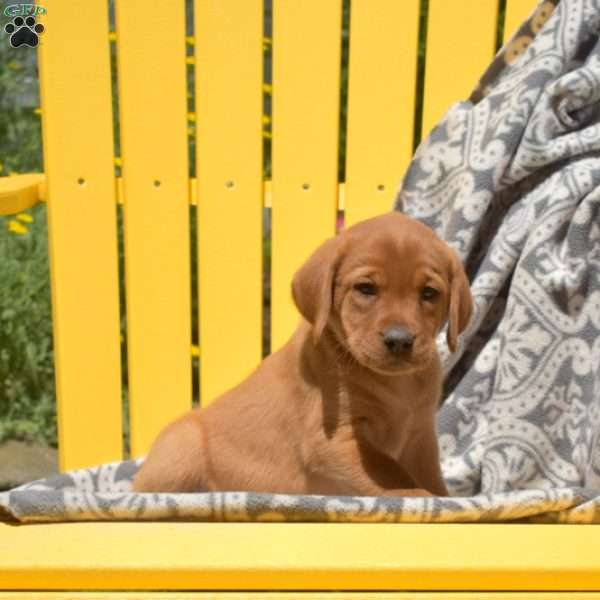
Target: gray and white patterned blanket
pixel 511 179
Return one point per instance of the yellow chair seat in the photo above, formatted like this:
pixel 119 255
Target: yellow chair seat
pixel 307 557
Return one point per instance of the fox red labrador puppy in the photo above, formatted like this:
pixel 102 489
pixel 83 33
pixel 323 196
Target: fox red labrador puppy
pixel 347 406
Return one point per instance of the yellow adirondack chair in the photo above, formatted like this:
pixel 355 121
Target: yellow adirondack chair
pixel 228 194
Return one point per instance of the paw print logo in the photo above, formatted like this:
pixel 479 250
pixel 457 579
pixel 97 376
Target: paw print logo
pixel 24 32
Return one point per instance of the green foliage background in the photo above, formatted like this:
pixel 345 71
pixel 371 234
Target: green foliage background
pixel 26 371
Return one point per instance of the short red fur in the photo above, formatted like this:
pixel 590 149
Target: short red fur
pixel 348 405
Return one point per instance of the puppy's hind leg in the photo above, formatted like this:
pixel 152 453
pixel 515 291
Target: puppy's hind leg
pixel 176 462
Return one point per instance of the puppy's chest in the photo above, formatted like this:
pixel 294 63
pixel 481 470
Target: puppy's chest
pixel 386 425
pixel 390 420
pixel 389 430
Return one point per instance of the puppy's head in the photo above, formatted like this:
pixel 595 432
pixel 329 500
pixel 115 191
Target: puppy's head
pixel 385 287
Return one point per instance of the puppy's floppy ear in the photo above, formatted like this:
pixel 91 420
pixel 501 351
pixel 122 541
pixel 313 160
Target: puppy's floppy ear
pixel 461 302
pixel 312 286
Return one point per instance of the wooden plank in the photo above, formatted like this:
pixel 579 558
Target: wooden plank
pixel 306 80
pixel 82 224
pixel 20 192
pixel 461 40
pixel 294 556
pixel 153 110
pixel 517 11
pixel 381 103
pixel 299 596
pixel 230 190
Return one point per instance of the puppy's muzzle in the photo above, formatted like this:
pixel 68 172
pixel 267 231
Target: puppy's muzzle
pixel 398 340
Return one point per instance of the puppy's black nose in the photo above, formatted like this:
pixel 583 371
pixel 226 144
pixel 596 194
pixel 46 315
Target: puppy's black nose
pixel 398 339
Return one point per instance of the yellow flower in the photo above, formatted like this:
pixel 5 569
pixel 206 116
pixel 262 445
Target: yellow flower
pixel 37 111
pixel 267 41
pixel 267 88
pixel 267 135
pixel 14 65
pixel 192 117
pixel 112 36
pixel 190 60
pixel 118 162
pixel 195 351
pixel 191 131
pixel 25 218
pixel 190 40
pixel 266 119
pixel 16 227
pixel 1 167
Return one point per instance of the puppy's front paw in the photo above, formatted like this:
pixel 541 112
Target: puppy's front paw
pixel 411 492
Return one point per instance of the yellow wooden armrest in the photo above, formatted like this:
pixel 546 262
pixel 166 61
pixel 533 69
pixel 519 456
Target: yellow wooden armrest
pixel 20 192
pixel 299 556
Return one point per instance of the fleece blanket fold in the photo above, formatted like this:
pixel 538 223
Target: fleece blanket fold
pixel 511 179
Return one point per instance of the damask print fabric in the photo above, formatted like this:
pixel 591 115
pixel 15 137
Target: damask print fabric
pixel 511 179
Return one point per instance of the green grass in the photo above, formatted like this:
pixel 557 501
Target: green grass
pixel 26 367
pixel 27 395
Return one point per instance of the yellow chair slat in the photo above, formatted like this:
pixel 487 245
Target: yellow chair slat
pixel 461 41
pixel 184 595
pixel 306 79
pixel 229 189
pixel 381 103
pixel 153 117
pixel 516 13
pixel 78 157
pixel 300 556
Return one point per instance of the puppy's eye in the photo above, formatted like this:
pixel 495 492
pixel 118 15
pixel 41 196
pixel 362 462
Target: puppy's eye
pixel 429 293
pixel 366 289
